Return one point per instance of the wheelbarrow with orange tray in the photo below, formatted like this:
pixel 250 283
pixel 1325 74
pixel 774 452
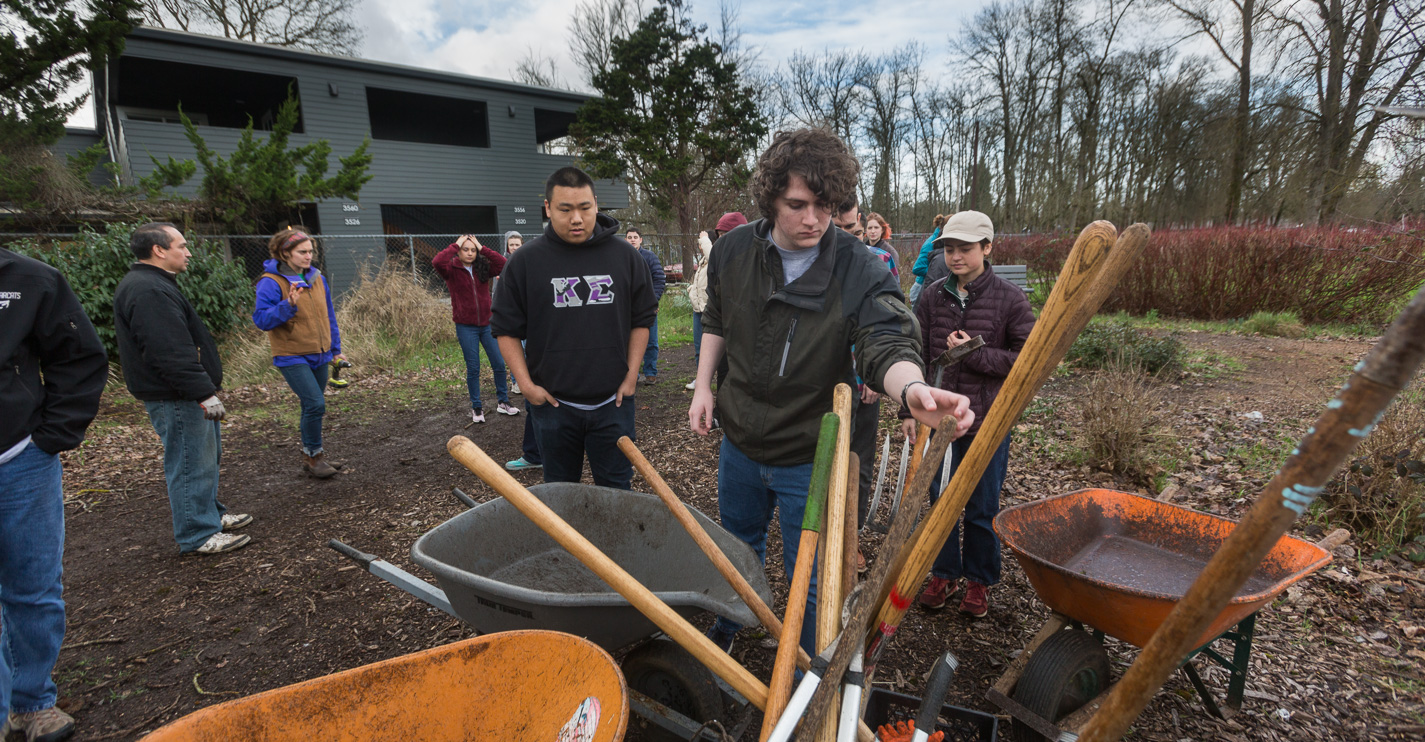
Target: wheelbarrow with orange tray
pixel 516 685
pixel 1114 564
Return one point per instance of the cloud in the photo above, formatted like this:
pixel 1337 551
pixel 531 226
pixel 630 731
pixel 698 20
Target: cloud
pixel 486 39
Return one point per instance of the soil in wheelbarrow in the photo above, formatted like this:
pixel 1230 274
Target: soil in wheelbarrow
pixel 153 635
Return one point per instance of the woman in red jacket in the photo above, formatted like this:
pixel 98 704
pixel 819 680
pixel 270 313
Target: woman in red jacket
pixel 468 269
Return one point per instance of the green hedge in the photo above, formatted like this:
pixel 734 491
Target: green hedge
pixel 94 263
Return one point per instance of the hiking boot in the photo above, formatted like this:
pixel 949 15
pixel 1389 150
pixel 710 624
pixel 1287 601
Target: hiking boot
pixel 220 542
pixel 477 415
pixel 976 601
pixel 318 467
pixel 521 463
pixel 721 637
pixel 649 379
pixel 45 725
pixel 231 522
pixel 505 408
pixel 937 592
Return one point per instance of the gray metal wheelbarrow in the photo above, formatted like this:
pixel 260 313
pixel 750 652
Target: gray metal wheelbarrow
pixel 498 571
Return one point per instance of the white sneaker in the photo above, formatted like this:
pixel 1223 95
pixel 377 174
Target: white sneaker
pixel 232 522
pixel 221 542
pixel 477 416
pixel 515 387
pixel 690 386
pixel 504 408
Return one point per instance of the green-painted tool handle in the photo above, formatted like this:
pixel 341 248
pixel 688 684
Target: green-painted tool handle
pixel 821 472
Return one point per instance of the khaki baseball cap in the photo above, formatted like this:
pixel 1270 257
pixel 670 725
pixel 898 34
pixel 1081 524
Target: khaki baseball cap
pixel 968 226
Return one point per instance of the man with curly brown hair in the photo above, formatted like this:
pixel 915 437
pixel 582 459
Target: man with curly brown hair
pixel 788 299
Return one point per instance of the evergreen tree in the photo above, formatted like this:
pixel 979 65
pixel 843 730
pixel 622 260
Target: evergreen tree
pixel 259 186
pixel 45 50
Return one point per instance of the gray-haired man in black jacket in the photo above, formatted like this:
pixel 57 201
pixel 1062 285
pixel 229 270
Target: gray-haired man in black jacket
pixel 52 371
pixel 171 364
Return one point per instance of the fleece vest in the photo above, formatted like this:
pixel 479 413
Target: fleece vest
pixel 309 331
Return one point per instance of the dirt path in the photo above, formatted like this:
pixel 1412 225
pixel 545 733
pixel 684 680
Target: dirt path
pixel 154 636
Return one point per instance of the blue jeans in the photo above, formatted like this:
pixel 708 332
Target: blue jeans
pixel 309 383
pixel 650 354
pixel 472 338
pixel 565 434
pixel 697 339
pixel 979 559
pixel 31 602
pixel 747 492
pixel 192 450
pixel 529 448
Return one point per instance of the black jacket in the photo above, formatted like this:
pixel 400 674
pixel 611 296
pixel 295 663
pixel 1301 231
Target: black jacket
pixel 44 330
pixel 655 269
pixel 166 350
pixel 788 345
pixel 575 307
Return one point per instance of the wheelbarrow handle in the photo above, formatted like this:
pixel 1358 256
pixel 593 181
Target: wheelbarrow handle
pixel 1348 419
pixel 464 499
pixel 352 553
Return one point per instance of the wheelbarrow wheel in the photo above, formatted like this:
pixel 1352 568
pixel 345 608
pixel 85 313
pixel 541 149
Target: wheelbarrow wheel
pixel 1067 671
pixel 669 675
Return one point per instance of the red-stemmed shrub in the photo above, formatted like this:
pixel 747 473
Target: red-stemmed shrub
pixel 1322 274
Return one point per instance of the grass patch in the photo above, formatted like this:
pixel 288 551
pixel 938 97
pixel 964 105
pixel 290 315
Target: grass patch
pixel 1211 365
pixel 1274 324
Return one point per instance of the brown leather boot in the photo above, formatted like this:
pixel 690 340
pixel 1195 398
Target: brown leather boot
pixel 317 466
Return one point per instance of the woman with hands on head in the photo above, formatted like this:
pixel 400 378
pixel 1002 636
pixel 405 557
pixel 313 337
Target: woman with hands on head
pixel 468 269
pixel 294 307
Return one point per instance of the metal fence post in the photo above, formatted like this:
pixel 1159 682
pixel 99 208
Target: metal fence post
pixel 411 246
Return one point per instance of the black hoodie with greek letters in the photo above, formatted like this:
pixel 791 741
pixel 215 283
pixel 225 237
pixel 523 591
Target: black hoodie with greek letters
pixel 575 307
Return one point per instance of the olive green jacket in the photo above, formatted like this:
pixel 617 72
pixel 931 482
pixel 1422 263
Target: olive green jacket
pixel 789 345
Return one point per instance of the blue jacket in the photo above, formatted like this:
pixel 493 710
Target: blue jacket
pixel 272 311
pixel 655 268
pixel 922 263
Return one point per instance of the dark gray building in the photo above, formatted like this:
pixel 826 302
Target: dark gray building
pixel 451 153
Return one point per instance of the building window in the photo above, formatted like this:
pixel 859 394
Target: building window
pixel 551 131
pixel 153 89
pixel 427 119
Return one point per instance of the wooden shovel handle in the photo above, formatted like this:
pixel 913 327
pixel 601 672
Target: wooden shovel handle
pixel 1347 420
pixel 675 626
pixel 704 541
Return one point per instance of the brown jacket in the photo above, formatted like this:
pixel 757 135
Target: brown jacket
pixel 309 330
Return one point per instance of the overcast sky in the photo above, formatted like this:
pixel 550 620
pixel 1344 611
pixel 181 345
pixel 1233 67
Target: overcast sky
pixel 485 38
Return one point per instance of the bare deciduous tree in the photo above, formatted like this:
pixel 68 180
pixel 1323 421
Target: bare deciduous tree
pixel 318 25
pixel 595 26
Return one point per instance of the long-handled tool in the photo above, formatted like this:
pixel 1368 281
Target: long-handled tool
pixel 950 357
pixel 675 626
pixel 834 662
pixel 1348 419
pixel 790 637
pixel 880 484
pixel 709 547
pixel 1092 270
pixel 829 591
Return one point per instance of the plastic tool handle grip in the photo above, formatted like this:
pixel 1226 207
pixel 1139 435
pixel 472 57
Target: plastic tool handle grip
pixel 821 473
pixel 935 691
